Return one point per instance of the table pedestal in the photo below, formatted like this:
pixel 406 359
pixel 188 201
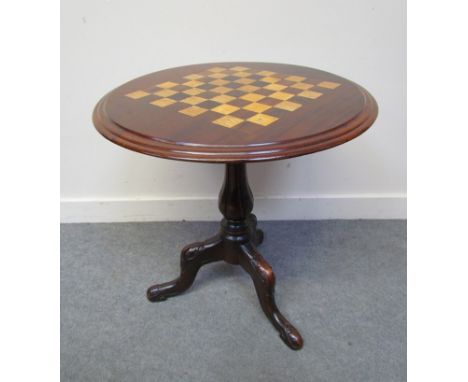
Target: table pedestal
pixel 236 244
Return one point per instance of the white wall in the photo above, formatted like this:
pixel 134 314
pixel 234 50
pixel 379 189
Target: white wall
pixel 106 43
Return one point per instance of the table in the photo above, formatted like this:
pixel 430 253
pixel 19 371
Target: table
pixel 234 113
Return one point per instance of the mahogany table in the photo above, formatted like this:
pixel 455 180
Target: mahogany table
pixel 234 113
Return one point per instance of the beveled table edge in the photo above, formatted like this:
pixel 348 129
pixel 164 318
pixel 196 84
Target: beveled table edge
pixel 255 153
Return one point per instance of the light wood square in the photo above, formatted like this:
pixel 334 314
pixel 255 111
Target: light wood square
pixel 193 100
pixel 283 96
pixel 257 107
pixel 225 109
pixel 217 75
pixel 163 102
pixel 219 82
pixel 217 69
pixel 328 84
pixel 310 94
pixel 244 81
pixel 224 98
pixel 228 121
pixel 275 87
pixel 302 86
pixel 295 78
pixel 138 94
pixel 166 85
pixel 193 111
pixel 193 91
pixel 193 76
pixel 165 93
pixel 248 88
pixel 252 97
pixel 262 119
pixel 271 80
pixel 193 83
pixel 287 105
pixel 242 74
pixel 221 90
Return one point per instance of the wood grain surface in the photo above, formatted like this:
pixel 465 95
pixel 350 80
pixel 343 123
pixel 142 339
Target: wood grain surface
pixel 234 112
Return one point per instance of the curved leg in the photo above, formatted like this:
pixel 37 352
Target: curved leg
pixel 264 281
pixel 256 233
pixel 192 257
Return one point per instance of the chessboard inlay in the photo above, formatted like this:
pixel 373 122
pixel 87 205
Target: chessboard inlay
pixel 238 95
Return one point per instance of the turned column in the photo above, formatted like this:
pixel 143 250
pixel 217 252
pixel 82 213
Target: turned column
pixel 235 197
pixel 236 203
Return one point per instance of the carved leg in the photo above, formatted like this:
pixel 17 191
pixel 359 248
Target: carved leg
pixel 256 234
pixel 264 281
pixel 192 257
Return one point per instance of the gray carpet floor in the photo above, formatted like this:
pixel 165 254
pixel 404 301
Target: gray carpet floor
pixel 341 283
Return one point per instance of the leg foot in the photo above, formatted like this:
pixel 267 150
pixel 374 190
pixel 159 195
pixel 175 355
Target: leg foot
pixel 264 280
pixel 192 258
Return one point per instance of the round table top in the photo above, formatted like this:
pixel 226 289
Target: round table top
pixel 234 112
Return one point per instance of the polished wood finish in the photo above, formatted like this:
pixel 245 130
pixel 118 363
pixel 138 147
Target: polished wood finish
pixel 135 116
pixel 234 113
pixel 236 244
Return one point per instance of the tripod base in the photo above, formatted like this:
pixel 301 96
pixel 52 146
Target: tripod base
pixel 236 244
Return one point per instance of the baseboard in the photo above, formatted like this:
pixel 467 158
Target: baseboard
pixel 205 209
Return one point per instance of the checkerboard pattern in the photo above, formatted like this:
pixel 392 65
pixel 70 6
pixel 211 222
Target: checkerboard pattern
pixel 235 96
